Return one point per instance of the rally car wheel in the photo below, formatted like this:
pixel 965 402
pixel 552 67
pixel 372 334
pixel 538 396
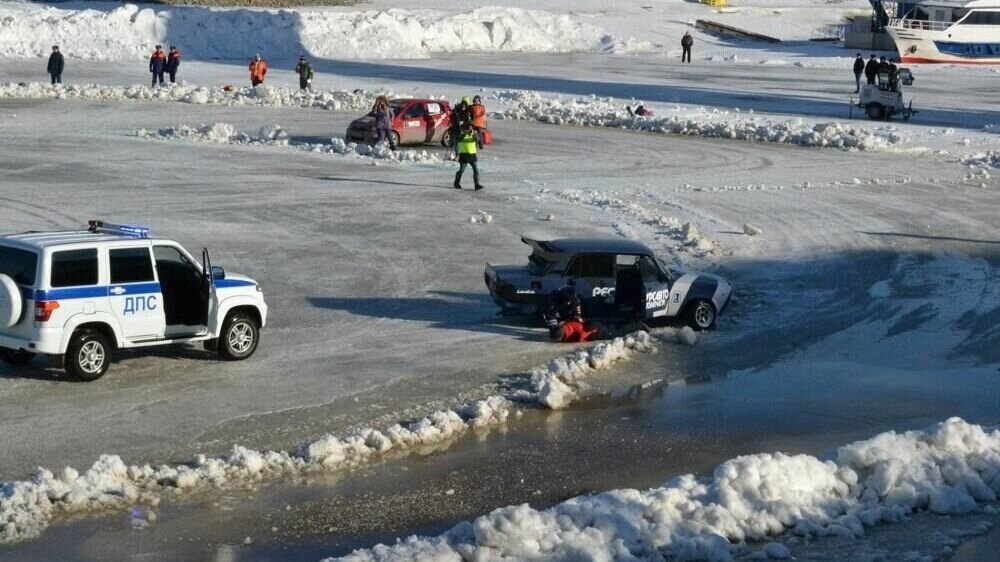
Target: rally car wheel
pixel 15 356
pixel 446 139
pixel 394 137
pixel 701 315
pixel 88 355
pixel 239 338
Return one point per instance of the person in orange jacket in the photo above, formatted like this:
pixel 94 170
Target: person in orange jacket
pixel 477 112
pixel 173 63
pixel 158 64
pixel 258 68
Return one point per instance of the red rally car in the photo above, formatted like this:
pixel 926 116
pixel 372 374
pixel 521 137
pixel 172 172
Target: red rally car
pixel 415 121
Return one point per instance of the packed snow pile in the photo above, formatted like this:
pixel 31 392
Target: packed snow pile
pixel 988 159
pixel 131 32
pixel 593 111
pixel 952 467
pixel 260 96
pixel 274 135
pixel 27 507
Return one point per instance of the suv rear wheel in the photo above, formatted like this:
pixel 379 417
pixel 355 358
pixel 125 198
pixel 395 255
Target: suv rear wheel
pixel 88 355
pixel 240 336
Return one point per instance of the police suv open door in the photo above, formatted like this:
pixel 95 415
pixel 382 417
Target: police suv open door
pixel 211 274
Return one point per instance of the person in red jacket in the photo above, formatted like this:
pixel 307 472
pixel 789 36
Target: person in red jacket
pixel 158 64
pixel 258 68
pixel 173 63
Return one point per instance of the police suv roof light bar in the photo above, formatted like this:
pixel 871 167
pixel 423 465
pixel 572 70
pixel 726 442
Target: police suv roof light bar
pixel 121 229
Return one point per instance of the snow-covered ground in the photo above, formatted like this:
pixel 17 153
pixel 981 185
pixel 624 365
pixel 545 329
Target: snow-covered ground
pixel 373 264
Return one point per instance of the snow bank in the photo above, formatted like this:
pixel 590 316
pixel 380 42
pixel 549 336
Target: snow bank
pixel 558 383
pixel 260 96
pixel 988 159
pixel 607 112
pixel 951 467
pixel 27 507
pixel 130 32
pixel 274 135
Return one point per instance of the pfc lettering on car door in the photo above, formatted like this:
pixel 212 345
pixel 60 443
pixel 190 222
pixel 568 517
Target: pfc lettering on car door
pixel 135 293
pixel 594 278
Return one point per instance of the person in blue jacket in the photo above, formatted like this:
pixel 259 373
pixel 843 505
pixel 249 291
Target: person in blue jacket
pixel 158 64
pixel 173 63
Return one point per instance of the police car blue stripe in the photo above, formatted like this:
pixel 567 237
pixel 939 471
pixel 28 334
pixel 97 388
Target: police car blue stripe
pixel 230 283
pixel 96 291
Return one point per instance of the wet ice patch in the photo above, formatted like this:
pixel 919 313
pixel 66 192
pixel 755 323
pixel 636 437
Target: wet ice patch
pixel 880 290
pixel 950 467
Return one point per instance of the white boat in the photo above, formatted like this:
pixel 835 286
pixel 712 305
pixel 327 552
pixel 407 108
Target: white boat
pixel 943 31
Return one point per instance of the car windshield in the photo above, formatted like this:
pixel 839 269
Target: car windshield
pixel 396 106
pixel 537 265
pixel 19 265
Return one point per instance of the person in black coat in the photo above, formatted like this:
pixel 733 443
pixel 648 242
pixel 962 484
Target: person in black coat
pixel 883 70
pixel 686 42
pixel 859 69
pixel 871 70
pixel 173 63
pixel 56 65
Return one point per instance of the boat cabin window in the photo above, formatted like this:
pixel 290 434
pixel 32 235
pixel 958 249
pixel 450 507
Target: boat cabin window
pixel 982 18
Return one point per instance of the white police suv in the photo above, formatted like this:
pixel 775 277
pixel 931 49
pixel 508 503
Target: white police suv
pixel 80 295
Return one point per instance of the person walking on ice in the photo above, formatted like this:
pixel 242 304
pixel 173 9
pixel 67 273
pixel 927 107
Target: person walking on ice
pixel 258 69
pixel 56 65
pixel 173 63
pixel 686 42
pixel 468 142
pixel 158 64
pixel 305 72
pixel 859 69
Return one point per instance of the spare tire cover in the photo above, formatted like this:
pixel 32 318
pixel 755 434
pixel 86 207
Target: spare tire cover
pixel 11 303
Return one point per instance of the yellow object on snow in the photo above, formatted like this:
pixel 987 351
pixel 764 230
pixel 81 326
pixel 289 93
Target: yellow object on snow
pixel 715 3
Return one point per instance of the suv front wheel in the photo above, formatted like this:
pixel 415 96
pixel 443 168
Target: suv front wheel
pixel 88 355
pixel 240 336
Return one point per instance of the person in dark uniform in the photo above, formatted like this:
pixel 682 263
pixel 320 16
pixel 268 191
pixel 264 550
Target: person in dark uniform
pixel 859 69
pixel 871 70
pixel 158 64
pixel 56 65
pixel 686 42
pixel 173 63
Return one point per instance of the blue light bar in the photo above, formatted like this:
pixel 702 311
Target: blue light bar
pixel 132 230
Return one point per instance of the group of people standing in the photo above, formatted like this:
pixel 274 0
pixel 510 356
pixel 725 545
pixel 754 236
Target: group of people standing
pixel 874 70
pixel 161 63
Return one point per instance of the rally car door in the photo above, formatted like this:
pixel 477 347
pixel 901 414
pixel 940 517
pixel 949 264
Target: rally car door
pixel 593 276
pixel 414 123
pixel 656 284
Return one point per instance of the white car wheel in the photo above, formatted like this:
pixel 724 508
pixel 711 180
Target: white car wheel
pixel 11 302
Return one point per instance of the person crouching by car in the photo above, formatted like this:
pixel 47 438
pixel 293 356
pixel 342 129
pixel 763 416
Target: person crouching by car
pixel 564 318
